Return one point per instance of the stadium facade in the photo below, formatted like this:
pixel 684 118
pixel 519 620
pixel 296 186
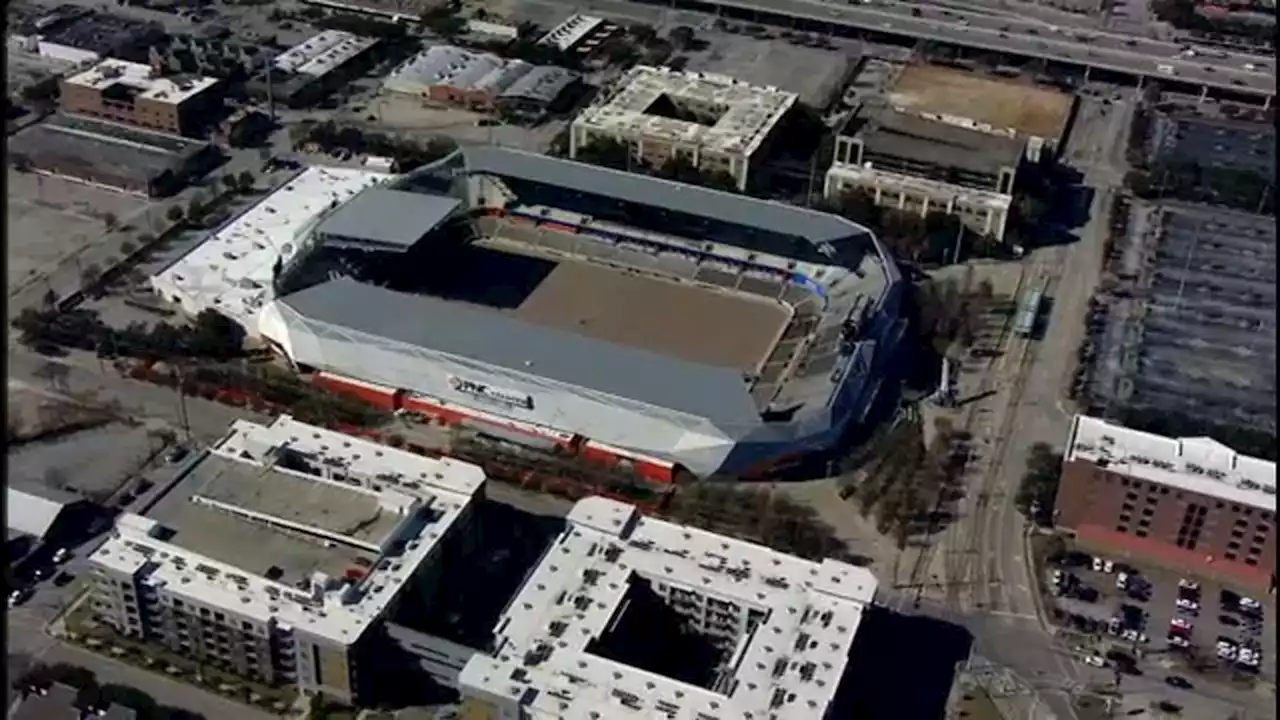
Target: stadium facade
pixel 406 295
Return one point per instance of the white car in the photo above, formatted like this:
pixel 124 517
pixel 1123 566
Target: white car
pixel 1191 585
pixel 1249 604
pixel 61 555
pixel 1095 660
pixel 1097 564
pixel 1250 67
pixel 1108 567
pixel 1180 623
pixel 1178 641
pixel 1057 577
pixel 1134 636
pixel 1186 604
pixel 1122 581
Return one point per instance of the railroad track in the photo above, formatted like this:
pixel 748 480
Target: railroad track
pixel 988 383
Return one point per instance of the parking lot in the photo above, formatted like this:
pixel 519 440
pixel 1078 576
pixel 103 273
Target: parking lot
pixel 1189 323
pixel 1182 137
pixel 51 219
pixel 1156 619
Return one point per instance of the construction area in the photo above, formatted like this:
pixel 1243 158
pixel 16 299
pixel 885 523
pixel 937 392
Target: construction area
pixel 1189 323
pixel 989 104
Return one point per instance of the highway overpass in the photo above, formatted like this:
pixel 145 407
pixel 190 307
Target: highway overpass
pixel 1237 72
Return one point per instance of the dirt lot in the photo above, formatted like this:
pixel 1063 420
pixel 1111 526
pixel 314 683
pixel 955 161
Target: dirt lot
pixel 683 321
pixel 92 462
pixel 997 102
pixel 51 219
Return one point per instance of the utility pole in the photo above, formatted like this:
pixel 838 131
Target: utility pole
pixel 182 402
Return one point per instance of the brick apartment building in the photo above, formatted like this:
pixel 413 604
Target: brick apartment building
pixel 1188 504
pixel 139 95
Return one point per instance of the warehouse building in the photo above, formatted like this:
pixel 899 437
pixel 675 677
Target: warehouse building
pixel 714 121
pixel 479 81
pixel 112 155
pixel 319 65
pixel 137 94
pixel 1190 504
pixel 280 552
pixel 632 617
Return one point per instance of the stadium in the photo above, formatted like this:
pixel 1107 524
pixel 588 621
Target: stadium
pixel 624 318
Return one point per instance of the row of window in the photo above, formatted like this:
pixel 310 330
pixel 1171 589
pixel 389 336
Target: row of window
pixel 1156 488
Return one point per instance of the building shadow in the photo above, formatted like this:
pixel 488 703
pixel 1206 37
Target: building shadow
pixel 901 667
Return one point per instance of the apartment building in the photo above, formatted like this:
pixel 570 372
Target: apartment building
pixel 715 122
pixel 140 95
pixel 617 590
pixel 1190 504
pixel 280 552
pixel 919 165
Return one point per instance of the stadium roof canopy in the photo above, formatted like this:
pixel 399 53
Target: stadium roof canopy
pixel 816 227
pixel 366 318
pixel 385 219
pixel 31 514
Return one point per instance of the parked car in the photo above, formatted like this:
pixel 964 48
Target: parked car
pixel 1178 682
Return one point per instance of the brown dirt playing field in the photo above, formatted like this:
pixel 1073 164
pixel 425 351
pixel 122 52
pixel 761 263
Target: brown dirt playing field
pixel 677 320
pixel 998 102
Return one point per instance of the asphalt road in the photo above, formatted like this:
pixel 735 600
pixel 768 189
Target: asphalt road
pixel 1034 38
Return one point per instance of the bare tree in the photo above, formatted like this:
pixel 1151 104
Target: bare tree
pixel 110 221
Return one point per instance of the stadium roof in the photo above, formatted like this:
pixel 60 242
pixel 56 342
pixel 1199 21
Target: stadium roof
pixel 816 227
pixel 387 219
pixel 716 393
pixel 31 514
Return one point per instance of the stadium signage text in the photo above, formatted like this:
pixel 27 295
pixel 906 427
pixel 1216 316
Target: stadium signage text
pixel 510 398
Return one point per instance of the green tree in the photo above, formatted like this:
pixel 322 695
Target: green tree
pixel 110 221
pixel 246 180
pixel 175 214
pixel 1038 490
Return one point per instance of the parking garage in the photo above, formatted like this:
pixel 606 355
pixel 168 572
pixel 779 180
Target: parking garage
pixel 1189 326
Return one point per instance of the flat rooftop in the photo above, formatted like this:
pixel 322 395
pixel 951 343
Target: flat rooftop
pixel 322 53
pixel 1200 465
pixel 688 322
pixel 455 67
pixel 252 522
pixel 897 134
pixel 989 104
pixel 803 618
pixel 255 546
pixel 233 269
pixel 141 79
pixel 125 150
pixel 388 219
pixel 715 112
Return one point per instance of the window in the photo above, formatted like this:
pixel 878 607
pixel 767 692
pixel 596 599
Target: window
pixel 1147 512
pixel 1142 532
pixel 1144 523
pixel 1181 542
pixel 1152 499
pixel 1124 518
pixel 1131 496
pixel 247 625
pixel 1164 491
pixel 1127 507
pixel 1251 561
pixel 1262 528
pixel 1229 555
pixel 1233 545
pixel 1255 550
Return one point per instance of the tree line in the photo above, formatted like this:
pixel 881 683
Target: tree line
pixel 210 336
pixel 1235 188
pixel 91 696
pixel 1038 489
pixel 408 154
